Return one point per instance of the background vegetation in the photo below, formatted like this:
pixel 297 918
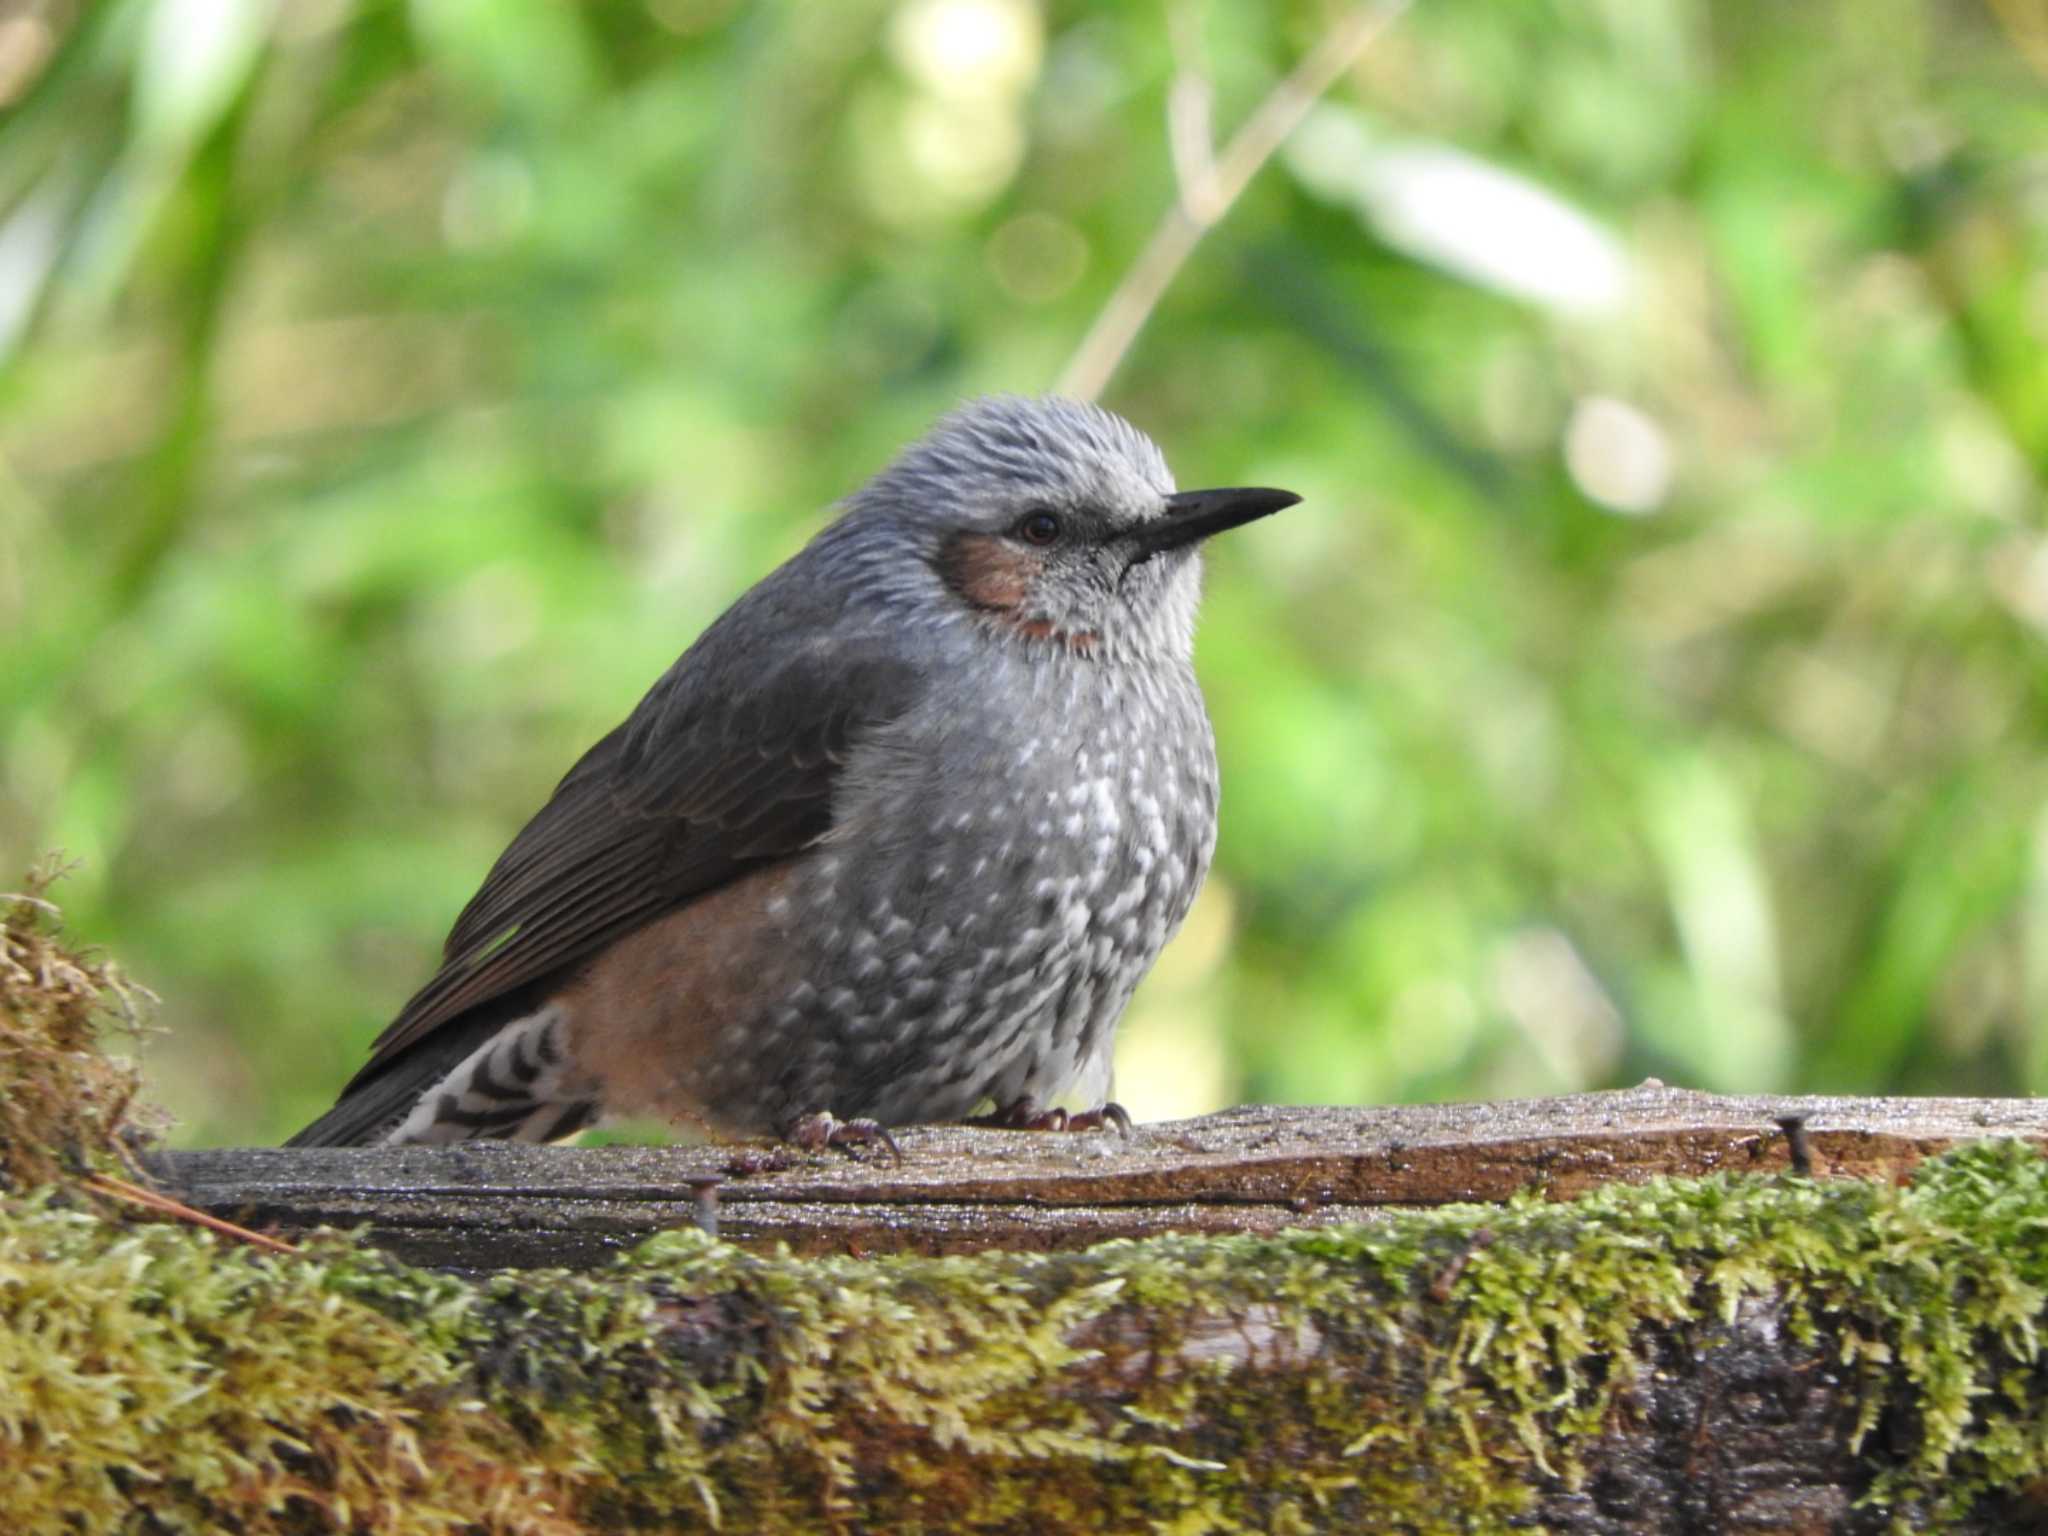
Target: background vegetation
pixel 1652 683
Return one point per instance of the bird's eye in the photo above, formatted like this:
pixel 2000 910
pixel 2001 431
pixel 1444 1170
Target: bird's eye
pixel 1040 528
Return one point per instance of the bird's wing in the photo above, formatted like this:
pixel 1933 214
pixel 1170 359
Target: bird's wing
pixel 706 780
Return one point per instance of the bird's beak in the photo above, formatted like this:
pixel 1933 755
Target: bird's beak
pixel 1192 516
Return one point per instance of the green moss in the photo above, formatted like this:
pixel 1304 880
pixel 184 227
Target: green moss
pixel 65 1108
pixel 1436 1373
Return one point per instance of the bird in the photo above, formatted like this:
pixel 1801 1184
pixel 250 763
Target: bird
pixel 892 843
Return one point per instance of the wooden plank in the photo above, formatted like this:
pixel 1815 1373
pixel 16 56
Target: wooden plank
pixel 483 1206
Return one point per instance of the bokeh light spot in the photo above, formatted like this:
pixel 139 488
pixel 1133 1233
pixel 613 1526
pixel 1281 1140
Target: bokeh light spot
pixel 1617 455
pixel 489 202
pixel 1037 257
pixel 969 50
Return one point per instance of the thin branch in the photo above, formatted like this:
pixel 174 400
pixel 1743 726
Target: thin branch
pixel 1190 132
pixel 164 1205
pixel 1203 203
pixel 2027 26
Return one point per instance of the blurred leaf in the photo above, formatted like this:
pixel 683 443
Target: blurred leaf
pixel 1456 211
pixel 1741 1040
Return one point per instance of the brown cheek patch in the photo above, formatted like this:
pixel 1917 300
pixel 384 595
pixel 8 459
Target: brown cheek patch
pixel 988 572
pixel 997 577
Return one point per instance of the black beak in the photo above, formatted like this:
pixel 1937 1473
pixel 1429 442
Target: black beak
pixel 1192 516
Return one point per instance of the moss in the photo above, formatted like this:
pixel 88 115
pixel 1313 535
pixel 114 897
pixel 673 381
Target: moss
pixel 65 1107
pixel 1438 1373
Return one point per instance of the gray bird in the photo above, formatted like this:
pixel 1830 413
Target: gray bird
pixel 897 837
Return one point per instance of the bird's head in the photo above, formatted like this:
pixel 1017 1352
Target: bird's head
pixel 1054 524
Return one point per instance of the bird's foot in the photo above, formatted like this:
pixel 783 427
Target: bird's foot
pixel 821 1129
pixel 1025 1115
pixel 1103 1116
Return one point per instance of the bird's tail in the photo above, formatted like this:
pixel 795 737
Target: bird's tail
pixel 490 1078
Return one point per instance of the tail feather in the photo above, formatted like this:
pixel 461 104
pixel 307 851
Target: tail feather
pixel 380 1097
pixel 493 1078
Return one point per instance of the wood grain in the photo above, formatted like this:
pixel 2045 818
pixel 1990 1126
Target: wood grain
pixel 1253 1169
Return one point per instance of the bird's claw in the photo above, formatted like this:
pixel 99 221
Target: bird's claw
pixel 1024 1115
pixel 1108 1114
pixel 821 1129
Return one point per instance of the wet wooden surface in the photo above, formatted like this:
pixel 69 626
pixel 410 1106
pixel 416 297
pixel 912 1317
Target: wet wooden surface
pixel 1254 1169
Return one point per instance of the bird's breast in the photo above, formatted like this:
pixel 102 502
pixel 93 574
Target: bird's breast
pixel 1058 807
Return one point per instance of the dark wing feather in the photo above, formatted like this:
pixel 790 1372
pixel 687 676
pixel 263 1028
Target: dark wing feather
pixel 706 780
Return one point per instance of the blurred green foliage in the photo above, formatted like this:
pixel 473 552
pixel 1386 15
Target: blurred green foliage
pixel 1652 683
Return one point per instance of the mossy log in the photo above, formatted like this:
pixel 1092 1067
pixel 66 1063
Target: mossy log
pixel 1259 1169
pixel 1731 1353
pixel 1704 1342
